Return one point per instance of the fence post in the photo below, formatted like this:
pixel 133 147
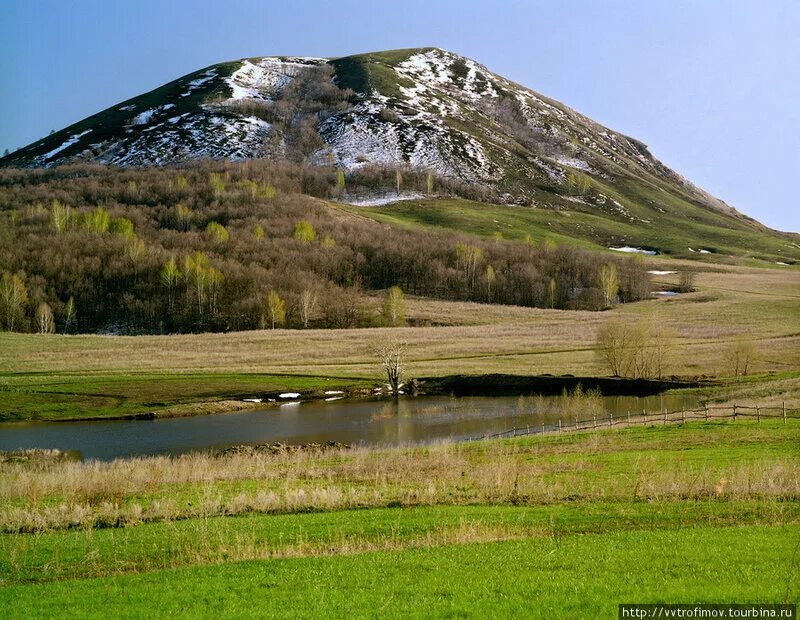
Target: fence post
pixel 629 417
pixel 610 419
pixel 665 416
pixel 594 421
pixel 706 412
pixel 542 428
pixel 559 425
pixel 784 412
pixel 734 413
pixel 644 415
pixel 527 429
pixel 758 414
pixel 683 415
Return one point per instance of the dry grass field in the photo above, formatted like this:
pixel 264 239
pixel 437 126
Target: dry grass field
pixel 730 302
pixel 763 304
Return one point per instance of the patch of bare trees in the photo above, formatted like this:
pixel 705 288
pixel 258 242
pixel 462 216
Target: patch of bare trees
pixel 636 348
pixel 740 356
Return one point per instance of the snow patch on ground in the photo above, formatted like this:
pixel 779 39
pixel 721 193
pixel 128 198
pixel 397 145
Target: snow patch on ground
pixel 289 395
pixel 377 201
pixel 631 250
pixel 66 144
pixel 574 163
pixel 198 82
pixel 143 117
pixel 206 77
pixel 656 272
pixel 192 135
pixel 264 78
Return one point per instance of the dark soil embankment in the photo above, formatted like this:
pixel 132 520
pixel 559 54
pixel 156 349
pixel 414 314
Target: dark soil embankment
pixel 547 385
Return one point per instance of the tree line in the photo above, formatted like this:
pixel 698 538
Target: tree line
pixel 218 246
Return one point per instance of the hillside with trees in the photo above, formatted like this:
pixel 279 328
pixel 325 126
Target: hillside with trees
pixel 233 246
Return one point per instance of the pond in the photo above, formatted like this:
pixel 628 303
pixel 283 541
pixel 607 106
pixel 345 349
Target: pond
pixel 409 421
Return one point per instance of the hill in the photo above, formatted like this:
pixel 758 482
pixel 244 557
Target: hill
pixel 424 109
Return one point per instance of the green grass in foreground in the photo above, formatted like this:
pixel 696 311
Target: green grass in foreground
pixel 570 576
pixel 86 553
pixel 701 512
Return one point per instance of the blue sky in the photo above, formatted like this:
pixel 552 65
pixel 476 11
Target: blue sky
pixel 713 87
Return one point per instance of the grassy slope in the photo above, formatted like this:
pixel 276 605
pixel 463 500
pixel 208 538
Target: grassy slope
pixel 660 212
pixel 721 524
pixel 671 233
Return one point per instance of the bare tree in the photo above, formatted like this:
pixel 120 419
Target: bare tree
pixel 635 349
pixel 307 305
pixel 615 347
pixel 661 345
pixel 740 356
pixel 135 249
pixel 390 355
pixel 686 281
pixel 44 319
pixel 468 258
pixel 214 278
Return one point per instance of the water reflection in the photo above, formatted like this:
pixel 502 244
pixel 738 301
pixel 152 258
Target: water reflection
pixel 367 422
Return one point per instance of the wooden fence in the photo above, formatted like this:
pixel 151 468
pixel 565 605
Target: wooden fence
pixel 733 412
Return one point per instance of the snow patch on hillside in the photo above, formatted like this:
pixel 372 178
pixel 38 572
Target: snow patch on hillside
pixel 382 199
pixel 574 163
pixel 264 78
pixel 193 135
pixel 198 82
pixel 65 145
pixel 629 250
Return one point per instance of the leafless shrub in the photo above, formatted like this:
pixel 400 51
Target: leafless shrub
pixel 739 356
pixel 634 348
